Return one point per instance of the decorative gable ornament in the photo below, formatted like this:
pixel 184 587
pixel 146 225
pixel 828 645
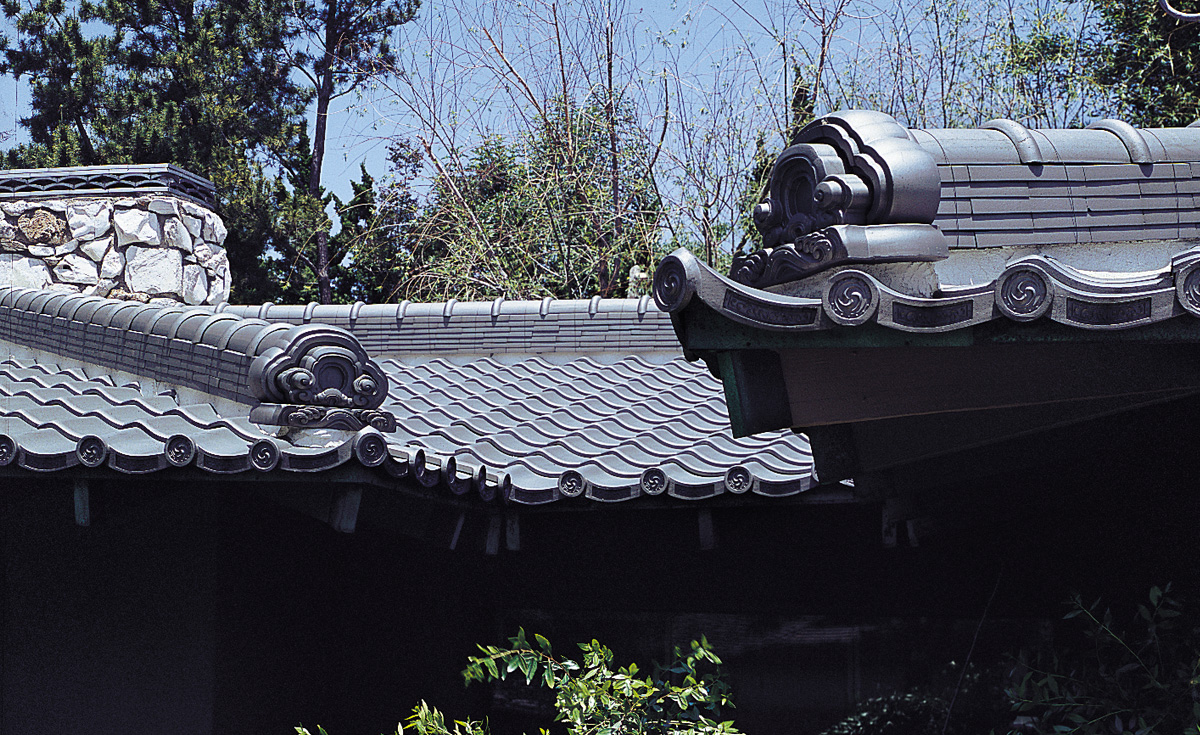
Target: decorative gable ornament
pixel 1094 229
pixel 319 377
pixel 853 188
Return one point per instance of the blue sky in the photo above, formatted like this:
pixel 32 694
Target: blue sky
pixel 724 64
pixel 360 126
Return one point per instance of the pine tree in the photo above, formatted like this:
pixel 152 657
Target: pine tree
pixel 204 85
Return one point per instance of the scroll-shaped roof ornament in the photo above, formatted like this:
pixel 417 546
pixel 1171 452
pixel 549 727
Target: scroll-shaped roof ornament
pixel 319 377
pixel 853 188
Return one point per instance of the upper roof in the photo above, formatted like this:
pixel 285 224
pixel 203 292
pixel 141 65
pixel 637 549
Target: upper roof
pixel 1091 228
pixel 527 402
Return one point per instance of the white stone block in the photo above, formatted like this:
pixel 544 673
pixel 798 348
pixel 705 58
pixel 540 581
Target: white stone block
pixel 14 209
pixel 203 252
pixel 195 285
pixel 214 229
pixel 89 220
pixel 23 272
pixel 195 225
pixel 64 287
pixel 102 287
pixel 175 235
pixel 113 265
pixel 163 206
pixel 41 251
pixel 154 270
pixel 76 268
pixel 219 288
pixel 67 247
pixel 96 249
pixel 218 262
pixel 136 226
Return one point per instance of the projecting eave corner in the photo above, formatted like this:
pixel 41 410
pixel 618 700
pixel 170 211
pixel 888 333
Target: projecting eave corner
pixel 1041 345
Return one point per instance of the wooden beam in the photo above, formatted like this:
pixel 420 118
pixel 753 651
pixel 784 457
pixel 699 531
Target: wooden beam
pixel 343 515
pixel 708 537
pixel 492 545
pixel 836 386
pixel 83 503
pixel 458 527
pixel 512 531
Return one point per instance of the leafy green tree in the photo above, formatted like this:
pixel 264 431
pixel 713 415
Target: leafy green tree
pixel 347 44
pixel 1118 678
pixel 374 240
pixel 377 231
pixel 592 697
pixel 552 212
pixel 1148 61
pixel 205 85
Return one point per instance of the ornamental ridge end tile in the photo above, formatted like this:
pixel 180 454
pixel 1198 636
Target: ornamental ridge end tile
pixel 1066 211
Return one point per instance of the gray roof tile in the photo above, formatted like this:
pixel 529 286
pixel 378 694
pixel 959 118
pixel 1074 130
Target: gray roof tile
pixel 543 399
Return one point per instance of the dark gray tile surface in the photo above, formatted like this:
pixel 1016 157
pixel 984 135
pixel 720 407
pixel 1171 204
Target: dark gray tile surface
pixel 529 401
pixel 612 421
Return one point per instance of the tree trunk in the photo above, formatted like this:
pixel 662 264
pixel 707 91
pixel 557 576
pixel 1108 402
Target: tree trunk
pixel 324 95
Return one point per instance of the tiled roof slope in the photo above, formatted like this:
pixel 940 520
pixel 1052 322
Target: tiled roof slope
pixel 610 411
pixel 487 328
pixel 609 430
pixel 54 418
pixel 1006 185
pixel 599 402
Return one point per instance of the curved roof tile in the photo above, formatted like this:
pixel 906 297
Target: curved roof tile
pixel 526 402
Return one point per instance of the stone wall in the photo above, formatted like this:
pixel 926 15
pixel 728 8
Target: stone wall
pixel 152 248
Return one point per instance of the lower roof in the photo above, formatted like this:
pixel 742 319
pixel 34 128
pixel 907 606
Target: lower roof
pixel 607 413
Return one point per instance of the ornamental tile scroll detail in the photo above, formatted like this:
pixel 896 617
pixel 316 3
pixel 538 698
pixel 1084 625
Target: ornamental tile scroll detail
pixel 738 480
pixel 91 451
pixel 809 254
pixel 180 450
pixel 571 484
pixel 851 298
pixel 1024 294
pixel 8 450
pixel 653 481
pixel 855 168
pixel 321 377
pixel 1190 293
pixel 1026 289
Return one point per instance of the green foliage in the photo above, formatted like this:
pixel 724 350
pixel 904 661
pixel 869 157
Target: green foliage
pixel 373 243
pixel 205 85
pixel 345 42
pixel 348 39
pixel 565 210
pixel 592 698
pixel 1148 61
pixel 1140 678
pixel 895 714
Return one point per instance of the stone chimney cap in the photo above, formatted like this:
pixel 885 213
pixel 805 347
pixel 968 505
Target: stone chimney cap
pixel 129 180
